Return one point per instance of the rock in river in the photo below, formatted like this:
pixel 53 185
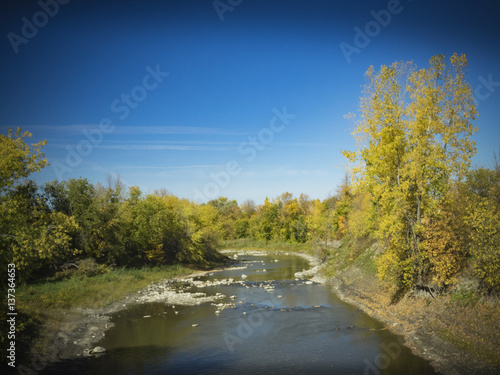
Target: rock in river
pixel 97 349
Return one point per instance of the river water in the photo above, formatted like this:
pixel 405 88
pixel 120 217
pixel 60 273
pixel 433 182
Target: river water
pixel 267 322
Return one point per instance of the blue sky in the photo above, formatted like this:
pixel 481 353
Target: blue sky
pixel 244 103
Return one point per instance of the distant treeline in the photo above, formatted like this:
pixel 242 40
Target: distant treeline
pixel 47 227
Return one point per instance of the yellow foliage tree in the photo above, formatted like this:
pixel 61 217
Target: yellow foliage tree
pixel 486 244
pixel 361 222
pixel 446 239
pixel 414 137
pixel 19 159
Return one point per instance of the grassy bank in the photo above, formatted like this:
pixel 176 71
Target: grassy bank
pixel 42 306
pixel 93 291
pixel 351 252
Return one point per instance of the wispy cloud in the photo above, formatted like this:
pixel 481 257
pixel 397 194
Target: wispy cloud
pixel 284 172
pixel 178 142
pixel 194 130
pixel 179 167
pixel 166 147
pixel 302 144
pixel 150 147
pixel 139 130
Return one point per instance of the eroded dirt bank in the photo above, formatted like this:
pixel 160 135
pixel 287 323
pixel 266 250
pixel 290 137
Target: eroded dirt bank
pixel 455 339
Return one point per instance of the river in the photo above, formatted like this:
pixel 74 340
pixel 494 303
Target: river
pixel 263 321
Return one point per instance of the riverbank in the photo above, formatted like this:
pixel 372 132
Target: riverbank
pixel 72 315
pixel 74 325
pixel 456 337
pixel 458 333
pixel 71 331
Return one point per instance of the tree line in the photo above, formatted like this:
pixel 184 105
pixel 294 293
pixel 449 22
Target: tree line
pixel 43 228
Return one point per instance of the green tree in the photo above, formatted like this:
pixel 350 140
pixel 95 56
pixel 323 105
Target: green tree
pixel 111 226
pixel 228 212
pixel 55 194
pixel 268 220
pixel 22 211
pixel 204 232
pixel 38 239
pixel 241 227
pixel 288 209
pixel 152 230
pixel 81 194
